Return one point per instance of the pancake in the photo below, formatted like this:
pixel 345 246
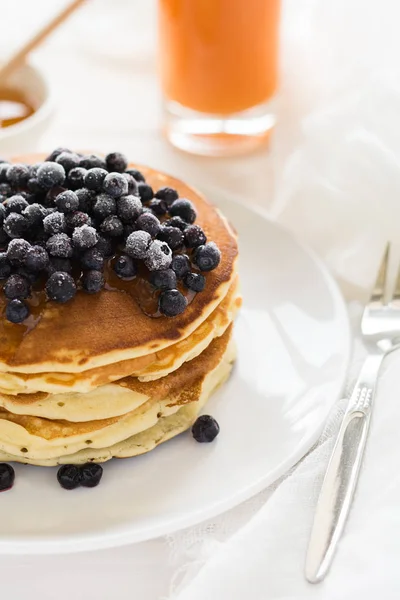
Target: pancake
pixel 33 439
pixel 111 323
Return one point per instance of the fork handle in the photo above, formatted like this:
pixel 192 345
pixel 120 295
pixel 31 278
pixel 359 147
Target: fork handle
pixel 341 477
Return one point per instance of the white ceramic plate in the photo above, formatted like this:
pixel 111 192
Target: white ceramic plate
pixel 293 342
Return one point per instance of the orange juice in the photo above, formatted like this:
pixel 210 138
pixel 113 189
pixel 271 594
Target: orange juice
pixel 219 56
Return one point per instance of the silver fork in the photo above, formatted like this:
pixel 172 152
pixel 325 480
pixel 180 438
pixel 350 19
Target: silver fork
pixel 380 327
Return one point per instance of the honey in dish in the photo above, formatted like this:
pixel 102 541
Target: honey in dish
pixel 14 107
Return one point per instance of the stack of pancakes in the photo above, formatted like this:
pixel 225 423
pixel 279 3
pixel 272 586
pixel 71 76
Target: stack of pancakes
pixel 96 378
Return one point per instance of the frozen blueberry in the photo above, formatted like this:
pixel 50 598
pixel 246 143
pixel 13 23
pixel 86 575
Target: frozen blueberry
pixel 183 208
pixel 56 152
pixel 15 225
pixel 92 281
pixel 86 199
pixel 112 226
pixel 6 189
pixel 205 429
pixel 60 287
pixel 137 175
pixel 91 474
pixel 69 160
pixel 17 251
pixel 194 236
pixel 195 282
pixel 132 184
pixel 94 178
pixel 172 303
pixel 33 186
pixel 50 174
pixel 37 259
pixel 16 286
pixel 163 280
pixel 125 267
pixel 69 477
pixel 172 235
pixel 59 264
pixel 104 246
pixel 15 204
pixel 169 195
pixel 158 256
pixel 34 214
pixel 148 222
pixel 92 161
pixel 116 161
pixel 115 185
pixel 181 265
pixel 77 219
pixel 129 208
pixel 3 172
pixel 60 245
pixel 137 244
pixel 145 192
pixel 207 257
pixel 7 473
pixel 93 260
pixel 67 201
pixel 158 207
pixel 16 312
pixel 18 175
pixel 5 267
pixel 76 178
pixel 104 206
pixel 54 223
pixel 84 237
pixel 52 194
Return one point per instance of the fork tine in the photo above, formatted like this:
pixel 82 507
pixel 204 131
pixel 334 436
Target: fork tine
pixel 378 291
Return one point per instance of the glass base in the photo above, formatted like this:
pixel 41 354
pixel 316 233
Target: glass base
pixel 218 135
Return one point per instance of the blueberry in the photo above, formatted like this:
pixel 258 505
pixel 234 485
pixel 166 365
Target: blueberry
pixel 69 477
pixel 86 199
pixel 5 267
pixel 116 161
pixel 115 185
pixel 194 236
pixel 195 282
pixel 132 184
pixel 50 174
pixel 158 207
pixel 52 157
pixel 145 192
pixel 112 226
pixel 104 246
pixel 16 311
pixel 169 195
pixel 172 303
pixel 125 267
pixel 94 178
pixel 137 175
pixel 18 175
pixel 104 206
pixel 158 256
pixel 68 160
pixel 6 189
pixel 183 208
pixel 16 287
pixel 59 264
pixel 67 202
pixel 76 178
pixel 92 281
pixel 84 237
pixel 207 257
pixel 60 245
pixel 17 251
pixel 54 223
pixel 37 259
pixel 163 280
pixel 52 195
pixel 3 172
pixel 77 219
pixel 92 161
pixel 172 236
pixel 15 225
pixel 7 477
pixel 91 474
pixel 33 186
pixel 15 204
pixel 181 265
pixel 148 222
pixel 177 222
pixel 34 214
pixel 60 287
pixel 93 260
pixel 129 208
pixel 137 244
pixel 205 429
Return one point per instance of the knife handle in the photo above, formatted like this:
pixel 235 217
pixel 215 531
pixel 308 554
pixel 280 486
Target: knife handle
pixel 341 477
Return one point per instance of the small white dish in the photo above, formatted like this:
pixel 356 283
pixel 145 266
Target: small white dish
pixel 23 136
pixel 293 349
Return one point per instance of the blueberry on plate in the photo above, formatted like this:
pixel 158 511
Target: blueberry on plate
pixel 177 222
pixel 50 174
pixel 91 474
pixel 77 219
pixel 115 185
pixel 169 195
pixel 207 257
pixel 94 178
pixel 104 246
pixel 69 477
pixel 115 161
pixel 84 237
pixel 54 223
pixel 137 175
pixel 15 225
pixel 16 311
pixel 112 226
pixel 163 280
pixel 93 260
pixel 172 303
pixel 158 256
pixel 137 244
pixel 158 207
pixel 104 206
pixel 18 175
pixel 86 199
pixel 15 204
pixel 172 236
pixel 125 267
pixel 34 214
pixel 16 286
pixel 36 259
pixel 67 202
pixel 129 208
pixel 68 160
pixel 205 429
pixel 60 287
pixel 148 222
pixel 132 183
pixel 194 236
pixel 92 161
pixel 76 178
pixel 183 208
pixel 92 281
pixel 56 152
pixel 195 282
pixel 145 192
pixel 7 477
pixel 60 245
pixel 17 251
pixel 181 265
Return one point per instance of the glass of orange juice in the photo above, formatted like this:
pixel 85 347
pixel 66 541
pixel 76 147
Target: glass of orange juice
pixel 218 63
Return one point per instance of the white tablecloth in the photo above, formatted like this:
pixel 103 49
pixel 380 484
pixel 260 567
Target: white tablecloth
pixel 102 67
